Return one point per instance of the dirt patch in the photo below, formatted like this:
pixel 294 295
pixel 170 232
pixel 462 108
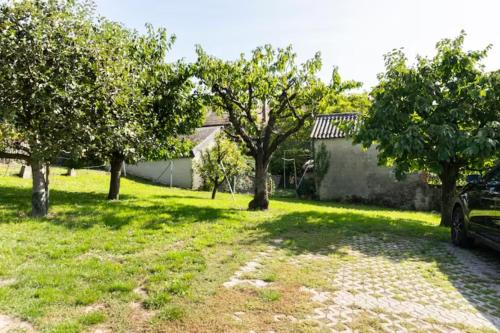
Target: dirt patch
pixel 139 317
pixel 6 282
pixel 242 310
pixel 94 308
pixel 141 292
pixel 9 324
pixel 100 329
pixel 248 302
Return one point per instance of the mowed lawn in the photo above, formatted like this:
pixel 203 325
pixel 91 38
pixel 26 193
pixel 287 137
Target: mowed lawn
pixel 157 260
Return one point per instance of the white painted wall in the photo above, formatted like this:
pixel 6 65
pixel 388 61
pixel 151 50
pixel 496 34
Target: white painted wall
pixel 183 174
pixel 159 171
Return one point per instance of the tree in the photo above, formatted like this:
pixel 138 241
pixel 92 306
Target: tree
pixel 267 97
pixel 142 103
pixel 45 78
pixel 221 162
pixel 339 99
pixel 440 115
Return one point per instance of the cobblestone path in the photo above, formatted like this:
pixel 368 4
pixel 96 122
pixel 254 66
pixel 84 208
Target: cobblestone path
pixel 399 285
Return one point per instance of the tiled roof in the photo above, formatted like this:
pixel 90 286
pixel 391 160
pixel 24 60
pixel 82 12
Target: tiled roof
pixel 325 126
pixel 214 119
pixel 200 134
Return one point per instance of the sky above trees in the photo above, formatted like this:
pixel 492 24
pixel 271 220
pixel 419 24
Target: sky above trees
pixel 353 35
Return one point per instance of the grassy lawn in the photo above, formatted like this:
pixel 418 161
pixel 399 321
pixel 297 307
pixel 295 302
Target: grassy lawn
pixel 157 259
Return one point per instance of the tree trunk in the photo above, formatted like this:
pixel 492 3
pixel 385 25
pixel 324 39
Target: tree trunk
pixel 214 190
pixel 116 172
pixel 39 195
pixel 448 179
pixel 261 199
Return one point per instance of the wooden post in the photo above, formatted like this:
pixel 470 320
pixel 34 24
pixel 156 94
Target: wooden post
pixel 25 172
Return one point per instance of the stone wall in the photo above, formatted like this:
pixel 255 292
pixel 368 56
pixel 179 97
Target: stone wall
pixel 355 176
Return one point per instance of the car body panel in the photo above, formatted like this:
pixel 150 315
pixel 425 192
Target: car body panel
pixel 480 203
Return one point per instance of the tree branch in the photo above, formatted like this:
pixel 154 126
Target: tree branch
pixel 238 127
pixel 280 138
pixel 284 101
pixel 15 156
pixel 246 110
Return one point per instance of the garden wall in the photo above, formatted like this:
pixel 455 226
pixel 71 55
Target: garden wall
pixel 355 176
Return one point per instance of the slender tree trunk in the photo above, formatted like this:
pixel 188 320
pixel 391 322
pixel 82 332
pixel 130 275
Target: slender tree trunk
pixel 214 190
pixel 448 179
pixel 261 199
pixel 40 195
pixel 116 172
pixel 47 191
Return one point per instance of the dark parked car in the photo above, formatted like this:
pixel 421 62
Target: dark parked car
pixel 476 214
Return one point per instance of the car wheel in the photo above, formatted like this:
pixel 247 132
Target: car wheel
pixel 458 232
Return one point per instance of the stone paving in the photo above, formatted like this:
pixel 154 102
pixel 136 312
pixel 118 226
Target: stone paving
pixel 388 285
pixel 239 277
pixel 399 285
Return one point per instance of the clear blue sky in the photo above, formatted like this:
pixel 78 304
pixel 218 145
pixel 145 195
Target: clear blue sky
pixel 351 34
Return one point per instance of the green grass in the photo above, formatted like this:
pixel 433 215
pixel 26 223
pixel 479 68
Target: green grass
pixel 177 246
pixel 269 295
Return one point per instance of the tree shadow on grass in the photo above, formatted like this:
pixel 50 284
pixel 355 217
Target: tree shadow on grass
pixel 312 231
pixel 336 204
pixel 83 210
pixel 180 196
pixel 475 274
pixel 180 214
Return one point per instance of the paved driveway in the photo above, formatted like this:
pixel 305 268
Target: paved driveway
pixel 388 285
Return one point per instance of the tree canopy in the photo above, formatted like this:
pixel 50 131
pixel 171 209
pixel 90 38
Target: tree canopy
pixel 340 99
pixel 46 77
pixel 268 97
pixel 142 103
pixel 221 162
pixel 78 84
pixel 441 115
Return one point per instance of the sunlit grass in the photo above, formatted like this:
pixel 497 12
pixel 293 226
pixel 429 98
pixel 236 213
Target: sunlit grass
pixel 176 246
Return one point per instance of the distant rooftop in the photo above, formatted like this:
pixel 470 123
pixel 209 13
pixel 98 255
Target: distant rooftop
pixel 214 119
pixel 325 126
pixel 202 133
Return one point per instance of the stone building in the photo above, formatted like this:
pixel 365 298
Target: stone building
pixel 355 176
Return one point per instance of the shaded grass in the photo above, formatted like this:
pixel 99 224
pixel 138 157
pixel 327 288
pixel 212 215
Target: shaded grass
pixel 176 245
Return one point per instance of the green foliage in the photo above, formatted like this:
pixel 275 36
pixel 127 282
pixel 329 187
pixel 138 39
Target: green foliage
pixel 340 98
pixel 143 103
pixel 347 103
pixel 269 295
pixel 171 312
pixel 84 86
pixel 266 91
pixel 46 76
pixel 267 96
pixel 220 162
pixel 439 111
pixel 441 115
pixel 321 164
pixel 92 318
pixel 307 188
pixel 158 300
